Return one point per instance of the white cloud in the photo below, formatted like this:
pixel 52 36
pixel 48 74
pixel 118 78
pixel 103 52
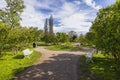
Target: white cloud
pixel 31 17
pixel 77 2
pixel 76 22
pixel 66 10
pixel 70 16
pixel 92 4
pixel 2 4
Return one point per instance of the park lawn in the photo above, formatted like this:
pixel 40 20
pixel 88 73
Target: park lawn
pixel 103 68
pixel 41 44
pixel 63 47
pixel 11 65
pixel 59 47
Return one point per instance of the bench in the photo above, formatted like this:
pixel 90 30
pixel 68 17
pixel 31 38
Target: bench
pixel 89 56
pixel 26 53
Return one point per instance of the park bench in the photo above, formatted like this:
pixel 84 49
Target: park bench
pixel 26 53
pixel 89 56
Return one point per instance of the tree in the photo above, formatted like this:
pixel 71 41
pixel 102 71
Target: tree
pixel 50 38
pixel 107 28
pixel 90 38
pixel 62 37
pixel 11 14
pixel 82 39
pixel 73 35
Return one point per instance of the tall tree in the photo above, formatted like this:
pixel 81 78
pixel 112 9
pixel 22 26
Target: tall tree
pixel 46 27
pixel 10 15
pixel 51 25
pixel 106 28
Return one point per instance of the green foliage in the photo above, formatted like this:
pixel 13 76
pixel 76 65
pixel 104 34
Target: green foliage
pixel 62 37
pixel 4 31
pixel 83 40
pixel 50 38
pixel 117 1
pixel 90 38
pixel 73 36
pixel 103 68
pixel 11 65
pixel 11 14
pixel 18 38
pixel 106 28
pixel 12 34
pixel 36 34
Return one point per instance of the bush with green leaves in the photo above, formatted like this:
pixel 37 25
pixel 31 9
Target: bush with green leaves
pixel 106 29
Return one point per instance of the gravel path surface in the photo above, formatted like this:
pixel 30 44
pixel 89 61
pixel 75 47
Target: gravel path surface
pixel 53 65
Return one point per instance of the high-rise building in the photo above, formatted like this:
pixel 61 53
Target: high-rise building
pixel 46 27
pixel 51 24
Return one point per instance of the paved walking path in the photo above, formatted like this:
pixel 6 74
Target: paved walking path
pixel 53 65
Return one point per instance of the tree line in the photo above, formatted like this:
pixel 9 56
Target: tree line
pixel 104 33
pixel 12 35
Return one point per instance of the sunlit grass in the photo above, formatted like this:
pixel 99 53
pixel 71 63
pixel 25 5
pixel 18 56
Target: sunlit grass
pixel 103 68
pixel 63 46
pixel 11 65
pixel 41 44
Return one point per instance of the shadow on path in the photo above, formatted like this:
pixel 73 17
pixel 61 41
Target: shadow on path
pixel 59 67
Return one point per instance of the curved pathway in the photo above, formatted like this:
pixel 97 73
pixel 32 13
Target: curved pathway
pixel 53 65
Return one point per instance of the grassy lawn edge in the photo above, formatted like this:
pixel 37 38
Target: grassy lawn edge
pixel 103 68
pixel 12 65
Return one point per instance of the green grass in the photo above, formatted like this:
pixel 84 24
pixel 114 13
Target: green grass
pixel 11 65
pixel 41 44
pixel 63 46
pixel 103 68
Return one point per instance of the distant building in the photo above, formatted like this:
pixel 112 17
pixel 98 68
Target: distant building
pixel 48 26
pixel 51 24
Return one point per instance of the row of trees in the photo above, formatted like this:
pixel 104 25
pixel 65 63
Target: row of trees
pixel 12 35
pixel 18 38
pixel 15 37
pixel 105 31
pixel 60 37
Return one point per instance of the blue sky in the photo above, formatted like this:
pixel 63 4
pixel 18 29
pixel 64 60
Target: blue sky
pixel 75 15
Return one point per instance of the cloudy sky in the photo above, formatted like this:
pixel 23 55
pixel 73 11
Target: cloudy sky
pixel 75 15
